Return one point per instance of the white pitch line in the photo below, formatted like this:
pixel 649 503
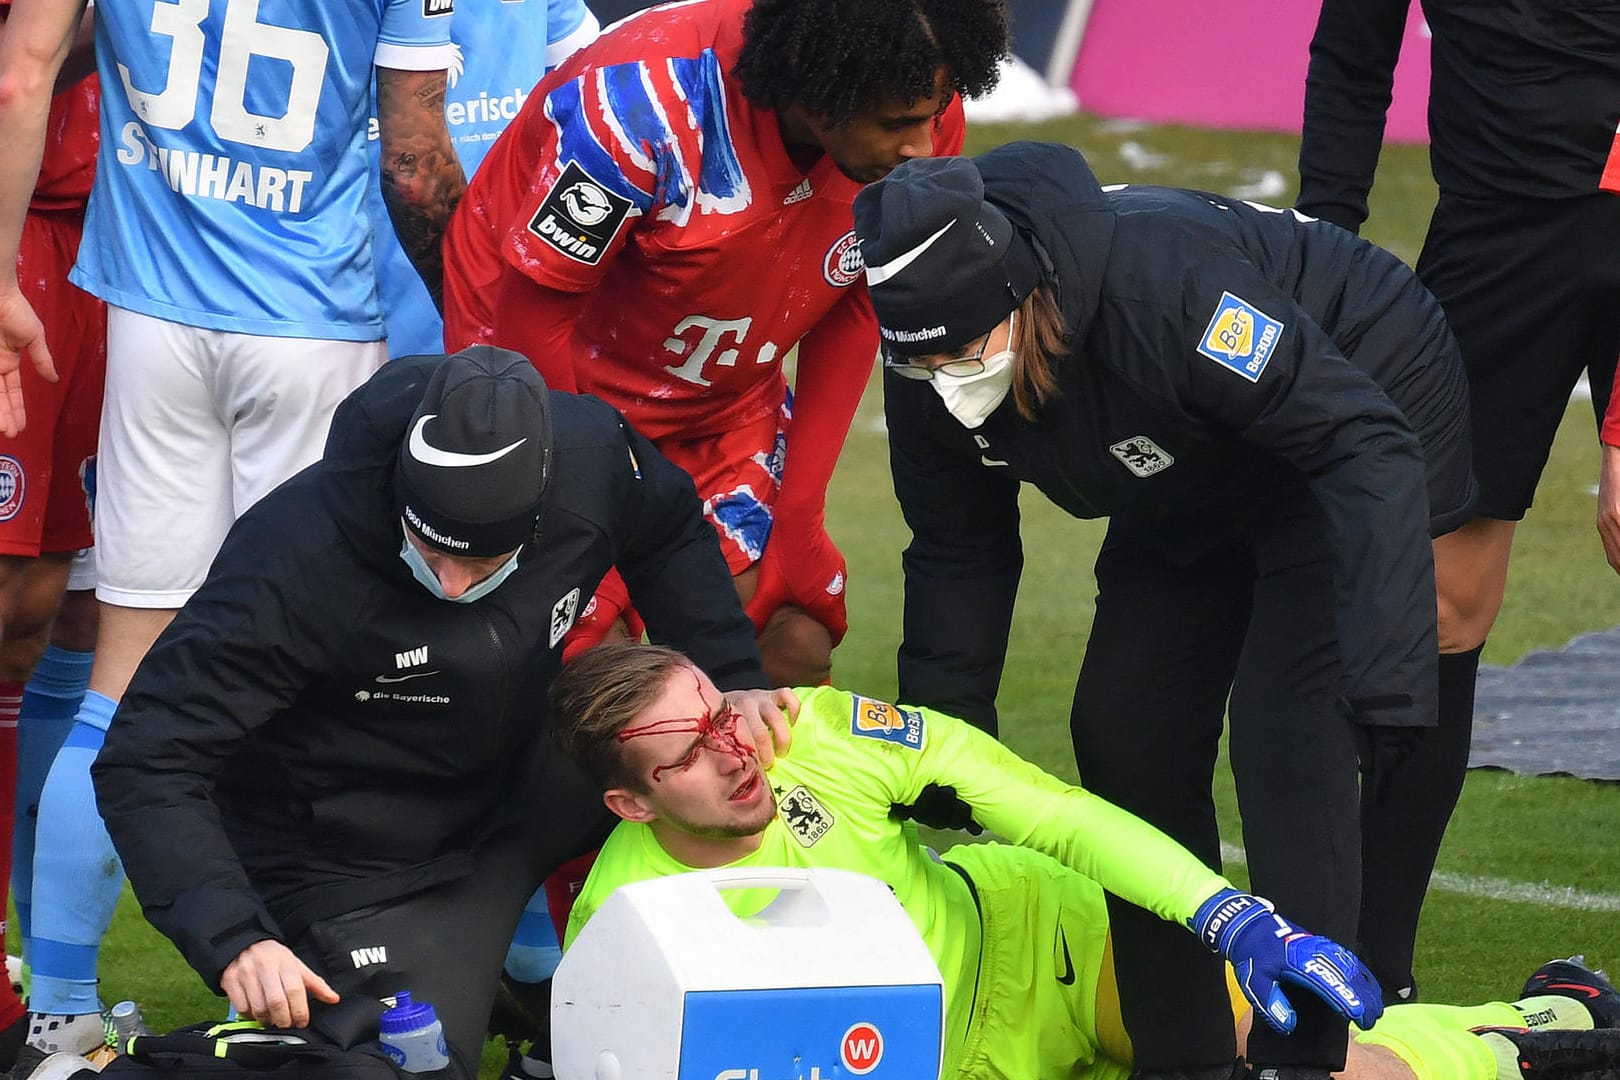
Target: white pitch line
pixel 1489 888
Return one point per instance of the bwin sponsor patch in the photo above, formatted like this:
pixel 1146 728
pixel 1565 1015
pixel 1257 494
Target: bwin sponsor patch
pixel 880 720
pixel 580 217
pixel 1240 336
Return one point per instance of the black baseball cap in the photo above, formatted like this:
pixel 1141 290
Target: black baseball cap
pixel 477 455
pixel 943 266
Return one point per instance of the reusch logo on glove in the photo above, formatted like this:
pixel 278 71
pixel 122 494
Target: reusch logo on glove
pixel 1333 979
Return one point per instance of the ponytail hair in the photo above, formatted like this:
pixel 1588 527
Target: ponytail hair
pixel 1043 342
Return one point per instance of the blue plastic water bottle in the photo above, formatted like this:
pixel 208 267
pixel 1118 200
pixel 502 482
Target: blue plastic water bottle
pixel 412 1036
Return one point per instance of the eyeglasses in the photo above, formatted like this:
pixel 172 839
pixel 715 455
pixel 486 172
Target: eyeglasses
pixel 959 368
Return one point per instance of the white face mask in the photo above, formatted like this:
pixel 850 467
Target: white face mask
pixel 430 581
pixel 972 398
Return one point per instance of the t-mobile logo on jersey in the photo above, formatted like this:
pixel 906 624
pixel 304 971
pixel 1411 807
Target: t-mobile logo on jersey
pixel 708 346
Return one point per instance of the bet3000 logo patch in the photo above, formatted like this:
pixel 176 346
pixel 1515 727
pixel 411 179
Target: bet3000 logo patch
pixel 880 720
pixel 1240 336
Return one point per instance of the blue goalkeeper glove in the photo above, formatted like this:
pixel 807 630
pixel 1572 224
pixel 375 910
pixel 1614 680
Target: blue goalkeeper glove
pixel 1267 951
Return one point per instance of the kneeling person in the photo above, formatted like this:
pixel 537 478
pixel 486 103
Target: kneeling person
pixel 329 774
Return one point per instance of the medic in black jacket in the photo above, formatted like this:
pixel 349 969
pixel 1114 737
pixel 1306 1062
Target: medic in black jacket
pixel 1274 416
pixel 325 750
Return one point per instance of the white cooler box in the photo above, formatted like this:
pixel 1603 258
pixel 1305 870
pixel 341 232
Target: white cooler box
pixel 830 980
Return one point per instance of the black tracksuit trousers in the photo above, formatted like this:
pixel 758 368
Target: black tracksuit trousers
pixel 1250 622
pixel 446 944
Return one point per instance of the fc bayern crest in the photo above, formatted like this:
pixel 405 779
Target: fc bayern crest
pixel 844 265
pixel 12 483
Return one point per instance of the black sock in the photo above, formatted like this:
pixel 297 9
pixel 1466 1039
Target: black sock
pixel 1402 829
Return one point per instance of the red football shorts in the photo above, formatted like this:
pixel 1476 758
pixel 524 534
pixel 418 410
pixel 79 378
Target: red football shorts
pixel 736 473
pixel 47 472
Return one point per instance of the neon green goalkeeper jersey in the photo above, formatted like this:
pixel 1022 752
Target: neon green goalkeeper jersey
pixel 854 758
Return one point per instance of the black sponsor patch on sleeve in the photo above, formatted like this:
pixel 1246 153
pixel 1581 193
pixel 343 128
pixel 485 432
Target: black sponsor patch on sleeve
pixel 580 217
pixel 432 9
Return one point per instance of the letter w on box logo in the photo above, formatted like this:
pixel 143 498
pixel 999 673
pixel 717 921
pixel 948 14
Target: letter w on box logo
pixel 411 657
pixel 369 954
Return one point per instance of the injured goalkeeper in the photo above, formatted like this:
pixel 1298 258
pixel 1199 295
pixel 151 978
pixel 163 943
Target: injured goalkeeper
pixel 1019 929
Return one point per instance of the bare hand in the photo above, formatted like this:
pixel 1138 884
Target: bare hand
pixel 269 983
pixel 1608 505
pixel 769 715
pixel 20 331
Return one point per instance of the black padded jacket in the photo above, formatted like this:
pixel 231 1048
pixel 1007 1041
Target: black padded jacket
pixel 1222 353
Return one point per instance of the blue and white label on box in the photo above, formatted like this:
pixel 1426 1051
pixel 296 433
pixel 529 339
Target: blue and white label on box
pixel 819 1033
pixel 1240 336
pixel 879 720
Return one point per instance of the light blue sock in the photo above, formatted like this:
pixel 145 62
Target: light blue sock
pixel 535 951
pixel 50 701
pixel 77 875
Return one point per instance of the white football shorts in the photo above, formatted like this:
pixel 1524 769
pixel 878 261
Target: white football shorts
pixel 198 425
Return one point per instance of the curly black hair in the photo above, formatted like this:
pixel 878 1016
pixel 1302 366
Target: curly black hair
pixel 838 58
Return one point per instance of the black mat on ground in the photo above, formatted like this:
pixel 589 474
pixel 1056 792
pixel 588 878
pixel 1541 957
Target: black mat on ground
pixel 1555 711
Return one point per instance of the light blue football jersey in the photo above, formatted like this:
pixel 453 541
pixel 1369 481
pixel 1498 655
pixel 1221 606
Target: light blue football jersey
pixel 230 192
pixel 504 47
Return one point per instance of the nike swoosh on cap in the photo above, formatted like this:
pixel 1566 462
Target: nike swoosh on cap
pixel 428 454
pixel 877 275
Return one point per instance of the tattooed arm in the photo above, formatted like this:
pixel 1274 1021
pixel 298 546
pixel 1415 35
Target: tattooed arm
pixel 421 176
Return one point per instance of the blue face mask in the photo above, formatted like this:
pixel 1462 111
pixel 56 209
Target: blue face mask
pixel 429 580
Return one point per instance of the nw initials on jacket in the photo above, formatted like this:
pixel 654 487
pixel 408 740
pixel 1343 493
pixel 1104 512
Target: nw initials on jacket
pixel 370 954
pixel 411 657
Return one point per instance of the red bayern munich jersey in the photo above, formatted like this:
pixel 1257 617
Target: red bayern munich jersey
pixel 639 172
pixel 72 137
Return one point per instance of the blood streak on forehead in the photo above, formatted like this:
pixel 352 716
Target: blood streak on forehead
pixel 716 730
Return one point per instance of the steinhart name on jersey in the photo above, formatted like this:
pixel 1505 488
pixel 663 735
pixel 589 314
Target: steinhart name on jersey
pixel 213 176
